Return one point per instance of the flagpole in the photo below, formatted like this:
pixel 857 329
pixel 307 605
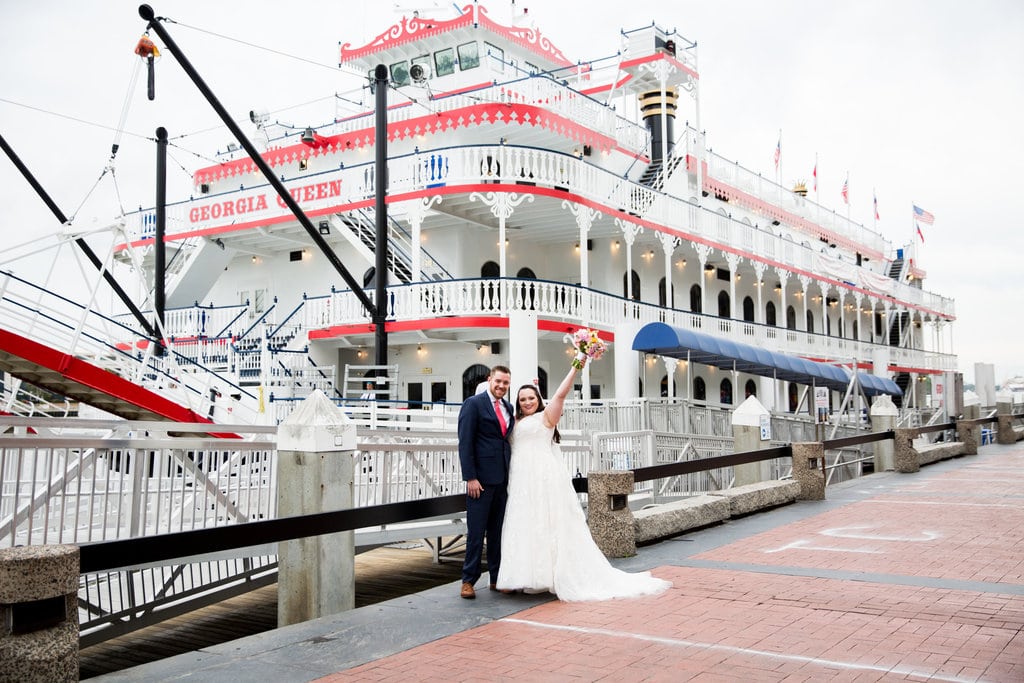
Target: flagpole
pixel 817 197
pixel 874 210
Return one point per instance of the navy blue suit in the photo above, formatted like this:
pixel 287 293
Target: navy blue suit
pixel 485 455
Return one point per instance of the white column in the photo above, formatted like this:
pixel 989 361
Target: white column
pixel 416 211
pixel 501 204
pixel 627 361
pixel 522 349
pixel 734 261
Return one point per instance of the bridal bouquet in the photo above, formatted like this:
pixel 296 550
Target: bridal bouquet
pixel 587 345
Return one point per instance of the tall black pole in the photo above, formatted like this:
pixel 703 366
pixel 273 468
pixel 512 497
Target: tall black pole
pixel 81 243
pixel 146 12
pixel 159 247
pixel 380 76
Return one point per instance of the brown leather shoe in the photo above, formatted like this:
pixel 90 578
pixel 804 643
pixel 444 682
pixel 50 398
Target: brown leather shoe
pixel 467 591
pixel 505 591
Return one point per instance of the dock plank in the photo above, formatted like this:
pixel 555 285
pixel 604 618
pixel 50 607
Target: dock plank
pixel 381 574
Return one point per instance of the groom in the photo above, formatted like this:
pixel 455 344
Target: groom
pixel 485 422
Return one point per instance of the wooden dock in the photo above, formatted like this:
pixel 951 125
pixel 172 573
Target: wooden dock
pixel 381 574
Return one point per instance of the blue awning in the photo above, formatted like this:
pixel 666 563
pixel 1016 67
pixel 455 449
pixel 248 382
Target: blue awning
pixel 664 340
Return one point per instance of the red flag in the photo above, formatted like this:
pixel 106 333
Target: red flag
pixel 815 174
pixel 846 189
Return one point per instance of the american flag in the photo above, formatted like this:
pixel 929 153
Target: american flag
pixel 875 198
pixel 815 174
pixel 926 217
pixel 778 151
pixel 846 189
pixel 919 233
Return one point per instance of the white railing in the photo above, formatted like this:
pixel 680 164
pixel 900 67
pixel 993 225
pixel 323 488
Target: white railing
pixel 582 306
pixel 540 91
pixel 509 164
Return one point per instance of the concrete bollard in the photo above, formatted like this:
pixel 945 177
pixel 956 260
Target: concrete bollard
pixel 608 513
pixel 808 458
pixel 316 575
pixel 1004 418
pixel 906 459
pixel 751 431
pixel 970 434
pixel 883 418
pixel 39 613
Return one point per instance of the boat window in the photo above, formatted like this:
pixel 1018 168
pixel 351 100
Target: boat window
pixel 400 73
pixel 497 56
pixel 469 56
pixel 444 62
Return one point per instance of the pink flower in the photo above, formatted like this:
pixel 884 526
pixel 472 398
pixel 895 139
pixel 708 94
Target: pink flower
pixel 587 344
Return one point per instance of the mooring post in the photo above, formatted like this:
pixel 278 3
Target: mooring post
pixel 316 574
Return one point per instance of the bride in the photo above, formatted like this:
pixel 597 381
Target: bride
pixel 546 544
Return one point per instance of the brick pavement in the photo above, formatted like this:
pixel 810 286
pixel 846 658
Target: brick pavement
pixel 923 580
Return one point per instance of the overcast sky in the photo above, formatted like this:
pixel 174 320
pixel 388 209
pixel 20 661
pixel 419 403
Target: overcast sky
pixel 919 101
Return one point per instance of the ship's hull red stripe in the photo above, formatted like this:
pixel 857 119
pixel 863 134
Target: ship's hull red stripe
pixel 460 322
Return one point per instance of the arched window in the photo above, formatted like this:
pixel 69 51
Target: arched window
pixel 769 314
pixel 828 326
pixel 810 321
pixel 529 289
pixel 856 331
pixel 664 385
pixel 750 389
pixel 471 377
pixel 725 392
pixel 542 381
pixel 490 269
pixel 794 396
pixel 748 309
pixel 662 299
pixel 368 277
pixel 724 309
pixel 636 286
pixel 790 318
pixel 700 392
pixel 695 299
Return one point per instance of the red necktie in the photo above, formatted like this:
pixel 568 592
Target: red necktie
pixel 501 417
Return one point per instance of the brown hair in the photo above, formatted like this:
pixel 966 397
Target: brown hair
pixel 499 368
pixel 556 437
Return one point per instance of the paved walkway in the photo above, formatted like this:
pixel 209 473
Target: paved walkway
pixel 896 577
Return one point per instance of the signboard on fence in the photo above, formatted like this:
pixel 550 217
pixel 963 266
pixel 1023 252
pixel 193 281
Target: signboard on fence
pixel 820 405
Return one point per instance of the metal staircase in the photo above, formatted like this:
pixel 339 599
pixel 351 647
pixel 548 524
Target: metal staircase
pixel 360 229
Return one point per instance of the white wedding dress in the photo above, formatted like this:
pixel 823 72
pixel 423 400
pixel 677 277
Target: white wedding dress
pixel 545 542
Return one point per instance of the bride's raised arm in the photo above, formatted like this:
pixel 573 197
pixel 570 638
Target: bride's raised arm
pixel 553 410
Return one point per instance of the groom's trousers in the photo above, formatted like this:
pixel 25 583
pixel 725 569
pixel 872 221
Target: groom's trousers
pixel 484 515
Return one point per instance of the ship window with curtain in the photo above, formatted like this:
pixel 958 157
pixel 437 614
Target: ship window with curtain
pixel 497 57
pixel 469 56
pixel 444 62
pixel 400 73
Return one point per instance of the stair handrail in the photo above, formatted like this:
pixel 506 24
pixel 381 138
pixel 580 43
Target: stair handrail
pixel 256 322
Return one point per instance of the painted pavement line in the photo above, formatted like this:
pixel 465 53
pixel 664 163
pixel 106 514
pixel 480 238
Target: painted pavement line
pixel 944 503
pixel 864 577
pixel 676 642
